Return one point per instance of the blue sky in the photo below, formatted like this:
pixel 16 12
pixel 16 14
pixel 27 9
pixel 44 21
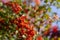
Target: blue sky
pixel 54 9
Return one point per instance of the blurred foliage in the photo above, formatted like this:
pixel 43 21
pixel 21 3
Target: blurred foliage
pixel 37 15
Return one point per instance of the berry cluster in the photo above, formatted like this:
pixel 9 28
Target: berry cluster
pixel 14 6
pixel 24 28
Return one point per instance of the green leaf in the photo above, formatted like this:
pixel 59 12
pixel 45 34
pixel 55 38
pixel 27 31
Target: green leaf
pixel 12 39
pixel 58 0
pixel 18 1
pixel 46 16
pixel 1 4
pixel 49 9
pixel 46 1
pixel 47 26
pixel 46 38
pixel 51 1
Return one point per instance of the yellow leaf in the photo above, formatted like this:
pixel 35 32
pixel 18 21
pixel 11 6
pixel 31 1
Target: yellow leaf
pixel 58 38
